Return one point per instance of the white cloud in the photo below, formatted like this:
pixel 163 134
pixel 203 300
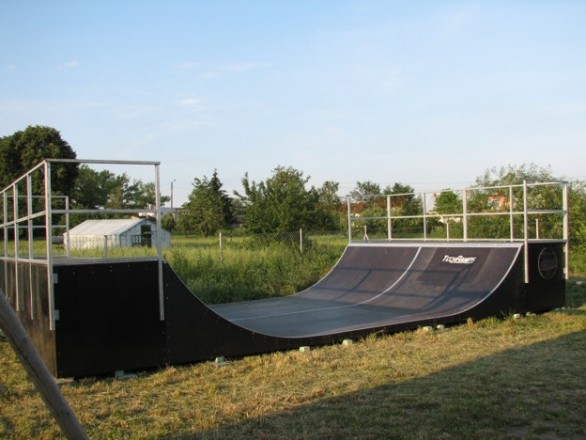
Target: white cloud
pixel 190 103
pixel 70 65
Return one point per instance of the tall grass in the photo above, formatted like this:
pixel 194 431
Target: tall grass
pixel 246 268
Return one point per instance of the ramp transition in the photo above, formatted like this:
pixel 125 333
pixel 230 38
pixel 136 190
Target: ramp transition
pixel 108 312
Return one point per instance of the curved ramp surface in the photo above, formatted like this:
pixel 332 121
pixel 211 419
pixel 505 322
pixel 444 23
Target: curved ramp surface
pixel 377 286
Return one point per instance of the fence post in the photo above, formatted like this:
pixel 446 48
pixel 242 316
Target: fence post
pixel 301 240
pixel 105 246
pixel 38 372
pixel 537 228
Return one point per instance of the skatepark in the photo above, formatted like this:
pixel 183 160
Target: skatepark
pixel 96 316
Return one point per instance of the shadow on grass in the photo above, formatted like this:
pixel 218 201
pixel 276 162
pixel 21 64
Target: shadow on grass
pixel 536 391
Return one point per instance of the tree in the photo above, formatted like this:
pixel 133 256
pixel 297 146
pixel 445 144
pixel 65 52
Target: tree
pixel 24 149
pixel 104 189
pixel 404 200
pixel 328 208
pixel 490 198
pixel 279 204
pixel 511 175
pixel 448 202
pixel 209 207
pixel 168 222
pixel 92 188
pixel 366 192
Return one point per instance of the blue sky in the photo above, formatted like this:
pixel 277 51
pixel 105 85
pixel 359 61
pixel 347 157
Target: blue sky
pixel 425 93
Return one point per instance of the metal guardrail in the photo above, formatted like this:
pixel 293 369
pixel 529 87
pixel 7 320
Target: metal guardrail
pixel 518 204
pixel 24 210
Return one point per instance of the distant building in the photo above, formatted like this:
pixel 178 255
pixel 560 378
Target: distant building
pixel 115 233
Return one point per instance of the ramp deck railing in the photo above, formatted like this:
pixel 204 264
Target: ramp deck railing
pixel 511 213
pixel 35 223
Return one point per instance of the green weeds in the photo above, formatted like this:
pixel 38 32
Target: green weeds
pixel 246 268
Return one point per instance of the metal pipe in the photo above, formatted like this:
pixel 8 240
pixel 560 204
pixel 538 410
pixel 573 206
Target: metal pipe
pixel 424 217
pixel 38 372
pixel 49 239
pixel 30 230
pixel 566 228
pixel 465 214
pixel 526 231
pixel 389 223
pixel 16 246
pixel 159 244
pixel 511 217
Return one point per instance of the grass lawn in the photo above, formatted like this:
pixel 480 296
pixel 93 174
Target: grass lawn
pixel 510 378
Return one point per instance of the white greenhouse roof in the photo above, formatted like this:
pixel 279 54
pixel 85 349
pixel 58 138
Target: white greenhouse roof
pixel 105 227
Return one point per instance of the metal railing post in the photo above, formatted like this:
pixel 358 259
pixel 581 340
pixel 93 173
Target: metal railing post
pixel 566 228
pixel 424 217
pixel 465 214
pixel 29 209
pixel 526 231
pixel 49 238
pixel 159 243
pixel 389 221
pixel 16 230
pixel 38 372
pixel 511 216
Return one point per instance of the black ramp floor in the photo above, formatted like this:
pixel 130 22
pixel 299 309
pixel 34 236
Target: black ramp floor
pixel 382 285
pixel 357 277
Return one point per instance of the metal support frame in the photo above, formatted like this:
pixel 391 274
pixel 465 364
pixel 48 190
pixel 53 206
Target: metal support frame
pixel 566 231
pixel 465 214
pixel 511 215
pixel 526 231
pixel 389 218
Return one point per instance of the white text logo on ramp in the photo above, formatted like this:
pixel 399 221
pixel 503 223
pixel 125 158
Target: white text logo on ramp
pixel 460 259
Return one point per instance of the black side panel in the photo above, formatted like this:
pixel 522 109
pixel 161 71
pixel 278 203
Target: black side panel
pixel 196 333
pixel 547 284
pixel 108 318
